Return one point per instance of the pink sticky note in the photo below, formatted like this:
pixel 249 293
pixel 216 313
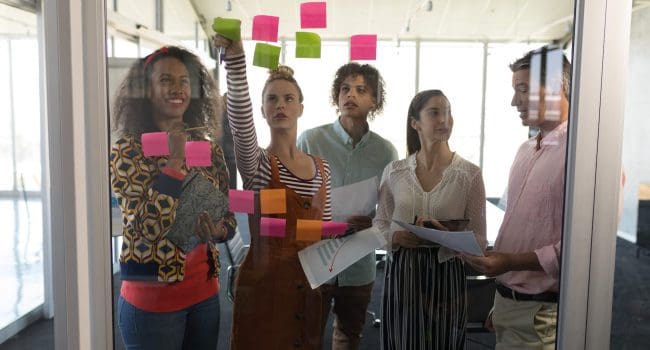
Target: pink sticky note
pixel 334 228
pixel 155 144
pixel 313 15
pixel 198 154
pixel 272 227
pixel 363 47
pixel 265 28
pixel 241 201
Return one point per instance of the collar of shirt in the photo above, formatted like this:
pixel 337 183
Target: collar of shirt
pixel 553 138
pixel 345 137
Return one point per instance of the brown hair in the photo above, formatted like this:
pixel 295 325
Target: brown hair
pixel 372 79
pixel 417 103
pixel 132 111
pixel 524 63
pixel 282 73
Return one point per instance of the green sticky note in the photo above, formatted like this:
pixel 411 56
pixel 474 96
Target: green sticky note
pixel 307 45
pixel 266 56
pixel 228 27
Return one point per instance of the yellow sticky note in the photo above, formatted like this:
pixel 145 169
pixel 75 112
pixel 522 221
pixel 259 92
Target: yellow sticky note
pixel 308 230
pixel 273 201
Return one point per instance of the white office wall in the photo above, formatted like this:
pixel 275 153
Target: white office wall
pixel 637 120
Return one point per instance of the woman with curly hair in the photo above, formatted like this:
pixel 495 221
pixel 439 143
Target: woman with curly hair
pixel 169 295
pixel 275 308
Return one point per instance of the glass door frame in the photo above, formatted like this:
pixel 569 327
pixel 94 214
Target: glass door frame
pixel 74 56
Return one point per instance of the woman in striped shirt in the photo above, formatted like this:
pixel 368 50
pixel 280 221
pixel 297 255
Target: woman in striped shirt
pixel 274 306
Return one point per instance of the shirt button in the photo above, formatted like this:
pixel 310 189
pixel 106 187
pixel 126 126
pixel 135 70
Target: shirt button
pixel 306 205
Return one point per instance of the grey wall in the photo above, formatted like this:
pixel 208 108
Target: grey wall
pixel 636 134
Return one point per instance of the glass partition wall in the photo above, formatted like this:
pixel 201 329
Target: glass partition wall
pixel 413 31
pixel 470 66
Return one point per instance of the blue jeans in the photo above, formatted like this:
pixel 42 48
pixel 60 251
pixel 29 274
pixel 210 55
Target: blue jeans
pixel 196 327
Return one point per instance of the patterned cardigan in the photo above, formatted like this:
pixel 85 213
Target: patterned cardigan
pixel 148 199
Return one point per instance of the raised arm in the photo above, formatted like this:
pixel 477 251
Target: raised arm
pixel 240 109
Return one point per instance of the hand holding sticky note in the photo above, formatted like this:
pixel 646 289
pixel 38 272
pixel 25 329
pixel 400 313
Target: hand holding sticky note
pixel 155 144
pixel 266 55
pixel 313 15
pixel 198 154
pixel 363 47
pixel 273 201
pixel 227 27
pixel 307 45
pixel 265 28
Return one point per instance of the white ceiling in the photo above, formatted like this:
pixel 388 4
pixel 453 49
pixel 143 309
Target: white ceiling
pixel 466 20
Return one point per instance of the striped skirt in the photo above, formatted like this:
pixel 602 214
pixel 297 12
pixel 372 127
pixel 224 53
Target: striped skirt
pixel 424 302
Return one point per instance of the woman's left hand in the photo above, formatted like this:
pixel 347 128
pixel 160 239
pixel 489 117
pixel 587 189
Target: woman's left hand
pixel 208 229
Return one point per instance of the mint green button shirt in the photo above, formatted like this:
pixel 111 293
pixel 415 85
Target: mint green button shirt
pixel 349 165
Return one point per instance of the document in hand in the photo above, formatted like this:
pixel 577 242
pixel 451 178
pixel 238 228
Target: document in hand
pixel 325 259
pixel 359 198
pixel 460 241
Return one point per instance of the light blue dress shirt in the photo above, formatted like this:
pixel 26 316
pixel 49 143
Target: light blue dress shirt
pixel 349 164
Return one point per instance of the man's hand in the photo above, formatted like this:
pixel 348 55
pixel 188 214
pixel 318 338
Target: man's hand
pixel 496 263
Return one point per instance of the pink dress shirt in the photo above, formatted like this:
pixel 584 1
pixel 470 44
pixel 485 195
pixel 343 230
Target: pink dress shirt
pixel 534 212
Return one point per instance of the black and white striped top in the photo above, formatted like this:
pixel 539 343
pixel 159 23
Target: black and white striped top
pixel 253 160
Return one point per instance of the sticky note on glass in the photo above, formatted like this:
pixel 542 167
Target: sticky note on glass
pixel 266 55
pixel 308 230
pixel 363 47
pixel 241 201
pixel 155 144
pixel 334 228
pixel 198 154
pixel 272 227
pixel 265 28
pixel 313 15
pixel 227 27
pixel 307 45
pixel 273 201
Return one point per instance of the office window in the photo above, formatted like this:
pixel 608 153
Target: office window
pixel 457 70
pixel 504 132
pixel 21 214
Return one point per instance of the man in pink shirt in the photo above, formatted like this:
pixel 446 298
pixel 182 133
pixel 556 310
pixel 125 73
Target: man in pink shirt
pixel 526 255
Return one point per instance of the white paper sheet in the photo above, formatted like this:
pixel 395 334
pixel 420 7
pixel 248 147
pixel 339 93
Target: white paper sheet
pixel 460 241
pixel 325 259
pixel 359 198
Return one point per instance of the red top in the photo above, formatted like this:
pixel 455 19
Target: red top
pixel 169 297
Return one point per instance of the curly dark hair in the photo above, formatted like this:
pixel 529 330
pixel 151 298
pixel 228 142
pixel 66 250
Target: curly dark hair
pixel 132 110
pixel 372 78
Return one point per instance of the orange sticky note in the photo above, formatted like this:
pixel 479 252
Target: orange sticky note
pixel 273 201
pixel 308 230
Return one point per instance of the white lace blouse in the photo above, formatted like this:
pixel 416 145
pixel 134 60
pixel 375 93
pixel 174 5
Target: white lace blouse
pixel 459 194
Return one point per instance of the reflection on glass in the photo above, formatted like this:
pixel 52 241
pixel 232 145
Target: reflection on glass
pixel 465 53
pixel 630 306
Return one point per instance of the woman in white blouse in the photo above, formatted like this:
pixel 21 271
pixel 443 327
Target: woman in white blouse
pixel 424 299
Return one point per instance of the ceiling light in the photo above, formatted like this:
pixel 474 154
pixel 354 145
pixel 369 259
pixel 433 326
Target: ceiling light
pixel 228 6
pixel 429 6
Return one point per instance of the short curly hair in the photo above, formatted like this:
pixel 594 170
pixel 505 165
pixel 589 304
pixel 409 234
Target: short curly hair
pixel 372 78
pixel 132 110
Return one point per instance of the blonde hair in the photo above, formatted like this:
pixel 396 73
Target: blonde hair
pixel 282 73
